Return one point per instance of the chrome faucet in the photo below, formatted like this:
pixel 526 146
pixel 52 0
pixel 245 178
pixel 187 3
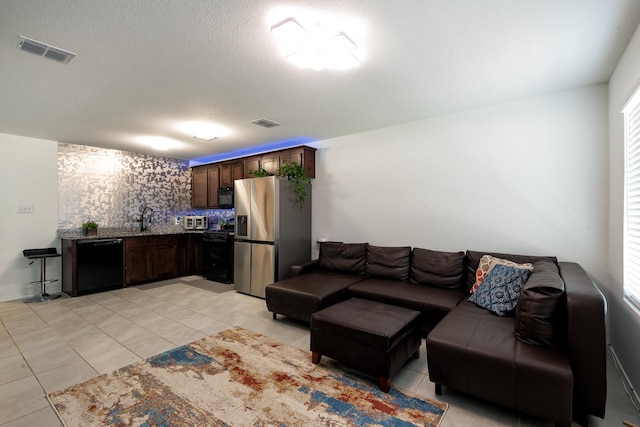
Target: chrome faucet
pixel 141 220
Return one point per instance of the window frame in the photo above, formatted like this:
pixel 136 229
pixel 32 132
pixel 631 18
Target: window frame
pixel 631 226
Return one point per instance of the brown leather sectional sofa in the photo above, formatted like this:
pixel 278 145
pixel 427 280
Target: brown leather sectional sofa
pixel 546 358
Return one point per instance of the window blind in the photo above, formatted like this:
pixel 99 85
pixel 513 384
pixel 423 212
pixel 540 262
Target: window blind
pixel 631 269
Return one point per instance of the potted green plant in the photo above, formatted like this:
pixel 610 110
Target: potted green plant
pixel 260 173
pixel 297 175
pixel 223 224
pixel 90 228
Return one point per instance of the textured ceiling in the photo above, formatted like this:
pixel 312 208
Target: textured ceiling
pixel 145 66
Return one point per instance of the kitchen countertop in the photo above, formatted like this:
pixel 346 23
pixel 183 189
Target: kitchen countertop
pixel 122 232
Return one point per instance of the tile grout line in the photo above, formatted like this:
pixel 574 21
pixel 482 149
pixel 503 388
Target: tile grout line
pixel 33 374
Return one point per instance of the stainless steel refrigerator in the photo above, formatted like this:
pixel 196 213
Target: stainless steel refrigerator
pixel 272 232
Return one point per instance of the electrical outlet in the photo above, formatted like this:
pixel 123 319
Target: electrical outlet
pixel 25 209
pixel 178 220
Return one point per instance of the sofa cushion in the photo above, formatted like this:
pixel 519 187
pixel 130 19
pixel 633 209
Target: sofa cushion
pixel 487 262
pixel 473 259
pixel 434 302
pixel 300 296
pixel 500 290
pixel 537 314
pixel 343 257
pixel 388 262
pixel 473 351
pixel 443 269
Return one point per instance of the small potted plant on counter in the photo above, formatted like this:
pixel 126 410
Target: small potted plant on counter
pixel 223 224
pixel 90 228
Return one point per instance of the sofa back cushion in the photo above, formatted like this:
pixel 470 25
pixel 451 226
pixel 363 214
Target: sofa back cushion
pixel 388 262
pixel 473 259
pixel 539 313
pixel 442 269
pixel 343 257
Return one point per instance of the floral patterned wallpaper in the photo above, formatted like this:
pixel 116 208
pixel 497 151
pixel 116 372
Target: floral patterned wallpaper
pixel 111 187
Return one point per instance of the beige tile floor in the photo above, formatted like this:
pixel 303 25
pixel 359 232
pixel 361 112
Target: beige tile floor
pixel 48 346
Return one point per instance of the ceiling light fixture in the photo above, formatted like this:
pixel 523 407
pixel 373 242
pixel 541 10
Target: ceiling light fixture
pixel 159 142
pixel 203 131
pixel 315 47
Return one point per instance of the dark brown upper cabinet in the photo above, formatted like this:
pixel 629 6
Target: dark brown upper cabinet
pixel 206 179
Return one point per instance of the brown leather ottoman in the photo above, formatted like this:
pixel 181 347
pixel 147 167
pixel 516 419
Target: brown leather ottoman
pixel 370 336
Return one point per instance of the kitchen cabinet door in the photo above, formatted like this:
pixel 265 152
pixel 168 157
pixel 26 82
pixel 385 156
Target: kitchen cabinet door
pixel 204 186
pixel 139 264
pixel 229 172
pixel 270 162
pixel 183 256
pixel 196 251
pixel 237 171
pixel 304 156
pixel 213 180
pixel 165 261
pixel 251 164
pixel 199 187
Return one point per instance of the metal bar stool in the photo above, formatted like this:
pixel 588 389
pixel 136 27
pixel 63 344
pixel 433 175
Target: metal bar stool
pixel 42 255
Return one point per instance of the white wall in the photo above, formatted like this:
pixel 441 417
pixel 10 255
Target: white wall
pixel 624 321
pixel 526 177
pixel 29 177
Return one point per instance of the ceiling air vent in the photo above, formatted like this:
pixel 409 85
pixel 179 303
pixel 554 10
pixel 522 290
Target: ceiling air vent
pixel 42 49
pixel 265 123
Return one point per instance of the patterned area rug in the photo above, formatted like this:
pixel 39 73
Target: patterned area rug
pixel 238 378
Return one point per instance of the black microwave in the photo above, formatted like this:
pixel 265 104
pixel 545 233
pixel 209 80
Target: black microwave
pixel 225 197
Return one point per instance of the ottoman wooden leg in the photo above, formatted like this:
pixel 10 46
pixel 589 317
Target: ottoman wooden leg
pixel 385 384
pixel 315 357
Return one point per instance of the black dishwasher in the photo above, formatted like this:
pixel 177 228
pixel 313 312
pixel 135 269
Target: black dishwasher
pixel 100 265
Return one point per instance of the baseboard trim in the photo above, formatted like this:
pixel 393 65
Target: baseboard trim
pixel 628 387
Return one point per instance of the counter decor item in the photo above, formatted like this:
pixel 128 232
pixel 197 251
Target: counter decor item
pixel 90 228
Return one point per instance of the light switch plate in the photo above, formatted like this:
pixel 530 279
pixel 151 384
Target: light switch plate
pixel 26 209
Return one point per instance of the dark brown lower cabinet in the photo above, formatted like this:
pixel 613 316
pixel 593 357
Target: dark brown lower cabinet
pixel 139 255
pixel 146 259
pixel 196 250
pixel 183 256
pixel 165 262
pixel 150 258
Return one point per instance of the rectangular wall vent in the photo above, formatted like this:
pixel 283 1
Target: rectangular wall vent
pixel 265 123
pixel 42 49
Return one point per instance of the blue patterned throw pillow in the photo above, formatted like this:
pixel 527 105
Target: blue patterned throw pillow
pixel 500 290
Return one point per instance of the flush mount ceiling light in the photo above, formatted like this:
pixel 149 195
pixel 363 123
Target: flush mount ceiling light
pixel 159 143
pixel 315 47
pixel 203 131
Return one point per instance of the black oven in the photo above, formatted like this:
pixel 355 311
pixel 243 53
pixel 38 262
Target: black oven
pixel 225 197
pixel 217 256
